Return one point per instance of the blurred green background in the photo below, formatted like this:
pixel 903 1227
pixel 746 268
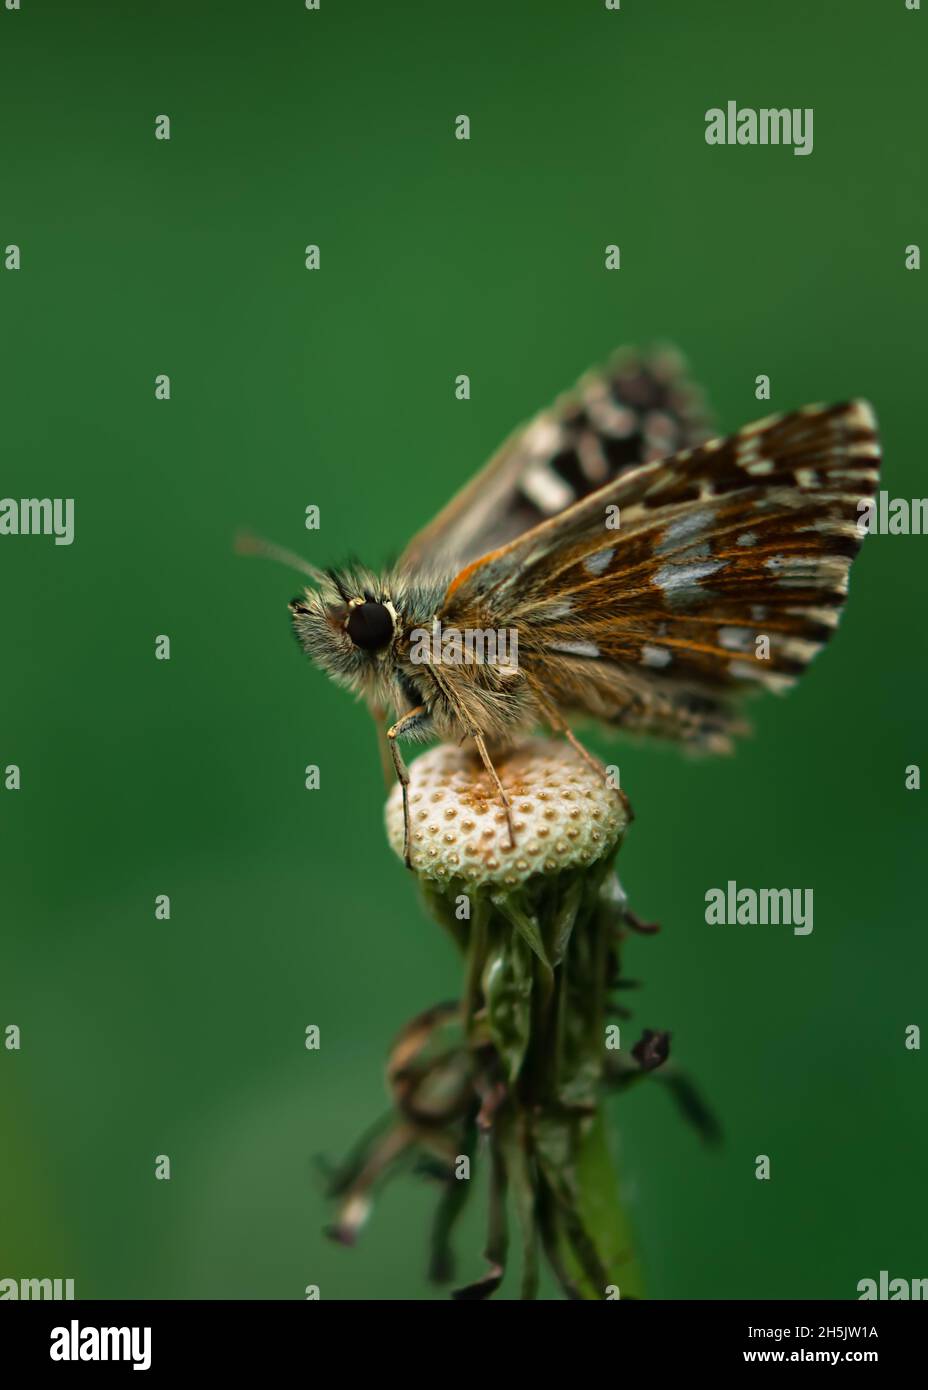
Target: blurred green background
pixel 185 777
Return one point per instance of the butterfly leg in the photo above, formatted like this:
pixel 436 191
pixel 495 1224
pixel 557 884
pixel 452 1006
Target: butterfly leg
pixel 500 789
pixel 585 753
pixel 402 772
pixel 560 726
pixel 378 714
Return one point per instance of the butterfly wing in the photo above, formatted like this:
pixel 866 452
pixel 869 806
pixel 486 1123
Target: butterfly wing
pixel 728 570
pixel 637 409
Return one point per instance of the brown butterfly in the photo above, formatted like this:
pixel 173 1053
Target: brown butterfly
pixel 609 562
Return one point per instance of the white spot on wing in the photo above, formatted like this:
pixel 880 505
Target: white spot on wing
pixel 828 617
pixel 801 571
pixel 655 656
pixel 861 448
pixel 542 486
pixel 685 528
pixel 735 639
pixel 747 538
pixel 615 420
pixel 860 415
pixel 622 422
pixel 679 580
pixel 852 475
pixel 598 563
pixel 799 649
pixel 543 436
pixel 754 671
pixel 576 648
pixel 659 430
pixel 592 459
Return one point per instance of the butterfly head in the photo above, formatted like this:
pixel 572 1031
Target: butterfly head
pixel 346 626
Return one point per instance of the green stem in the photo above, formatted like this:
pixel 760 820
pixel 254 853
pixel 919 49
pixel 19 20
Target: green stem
pixel 547 1024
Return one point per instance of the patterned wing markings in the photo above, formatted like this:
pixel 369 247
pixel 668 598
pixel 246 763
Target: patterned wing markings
pixel 639 408
pixel 655 625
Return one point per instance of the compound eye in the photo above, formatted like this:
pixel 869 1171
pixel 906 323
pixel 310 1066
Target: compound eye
pixel 370 626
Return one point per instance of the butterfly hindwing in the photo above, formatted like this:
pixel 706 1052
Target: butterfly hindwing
pixel 637 409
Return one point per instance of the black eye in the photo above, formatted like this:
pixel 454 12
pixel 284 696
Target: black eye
pixel 370 626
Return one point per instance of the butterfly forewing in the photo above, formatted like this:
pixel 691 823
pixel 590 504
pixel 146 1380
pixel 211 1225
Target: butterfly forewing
pixel 656 598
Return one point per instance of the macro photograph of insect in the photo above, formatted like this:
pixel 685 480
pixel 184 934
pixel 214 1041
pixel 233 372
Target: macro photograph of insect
pixel 464 540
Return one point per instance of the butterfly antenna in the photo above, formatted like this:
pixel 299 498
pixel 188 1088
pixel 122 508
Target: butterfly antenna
pixel 247 544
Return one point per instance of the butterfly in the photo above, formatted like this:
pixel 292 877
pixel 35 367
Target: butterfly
pixel 644 573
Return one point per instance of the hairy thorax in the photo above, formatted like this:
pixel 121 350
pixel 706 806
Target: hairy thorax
pixel 495 699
